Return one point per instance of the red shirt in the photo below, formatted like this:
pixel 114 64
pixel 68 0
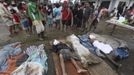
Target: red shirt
pixel 66 14
pixel 16 18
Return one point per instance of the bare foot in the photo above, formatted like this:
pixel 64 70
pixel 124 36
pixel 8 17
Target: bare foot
pixel 81 71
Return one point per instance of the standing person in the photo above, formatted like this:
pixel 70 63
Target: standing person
pixel 113 13
pixel 43 13
pixel 6 18
pixel 24 18
pixel 35 16
pixel 66 16
pixel 86 13
pixel 25 22
pixel 57 16
pixel 75 12
pixel 120 10
pixel 49 18
pixel 96 18
pixel 16 20
pixel 80 16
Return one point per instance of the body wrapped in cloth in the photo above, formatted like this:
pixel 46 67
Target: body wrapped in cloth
pixel 86 57
pixel 36 64
pixel 6 52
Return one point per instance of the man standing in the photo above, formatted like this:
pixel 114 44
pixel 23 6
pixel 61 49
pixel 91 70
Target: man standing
pixel 86 13
pixel 6 18
pixel 67 17
pixel 35 16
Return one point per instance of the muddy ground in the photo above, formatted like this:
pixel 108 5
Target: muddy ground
pixel 121 33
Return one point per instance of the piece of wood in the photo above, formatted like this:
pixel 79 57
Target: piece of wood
pixel 115 22
pixel 70 69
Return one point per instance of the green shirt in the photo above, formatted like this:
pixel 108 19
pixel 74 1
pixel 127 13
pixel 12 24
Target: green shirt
pixel 34 12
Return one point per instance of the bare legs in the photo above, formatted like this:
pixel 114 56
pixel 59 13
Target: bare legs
pixel 79 70
pixel 12 29
pixel 62 65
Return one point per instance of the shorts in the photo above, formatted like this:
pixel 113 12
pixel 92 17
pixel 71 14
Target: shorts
pixel 67 55
pixel 85 19
pixel 25 23
pixel 57 22
pixel 49 20
pixel 66 22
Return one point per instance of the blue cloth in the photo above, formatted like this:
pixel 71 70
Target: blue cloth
pixel 37 54
pixel 57 12
pixel 7 51
pixel 3 57
pixel 12 51
pixel 121 53
pixel 85 41
pixel 25 23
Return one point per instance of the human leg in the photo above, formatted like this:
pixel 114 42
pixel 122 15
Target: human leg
pixel 11 30
pixel 79 70
pixel 62 64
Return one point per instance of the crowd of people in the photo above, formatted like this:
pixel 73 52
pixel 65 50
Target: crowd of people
pixel 30 15
pixel 122 11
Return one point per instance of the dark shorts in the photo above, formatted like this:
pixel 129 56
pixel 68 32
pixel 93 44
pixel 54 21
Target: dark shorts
pixel 85 19
pixel 66 22
pixel 67 55
pixel 79 22
pixel 25 23
pixel 57 22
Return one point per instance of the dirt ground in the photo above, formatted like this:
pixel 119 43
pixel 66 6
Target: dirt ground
pixel 121 33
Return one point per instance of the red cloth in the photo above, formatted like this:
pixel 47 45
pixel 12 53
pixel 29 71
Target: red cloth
pixel 66 14
pixel 16 18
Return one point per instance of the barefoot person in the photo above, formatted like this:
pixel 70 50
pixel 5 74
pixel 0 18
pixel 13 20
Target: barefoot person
pixel 67 17
pixel 66 54
pixel 6 18
pixel 35 16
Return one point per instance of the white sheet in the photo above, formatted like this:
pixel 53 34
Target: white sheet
pixel 106 48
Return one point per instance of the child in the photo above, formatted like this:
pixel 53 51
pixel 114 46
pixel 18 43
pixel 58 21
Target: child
pixel 16 20
pixel 49 18
pixel 25 23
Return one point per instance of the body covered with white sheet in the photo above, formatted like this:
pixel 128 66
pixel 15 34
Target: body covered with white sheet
pixel 87 58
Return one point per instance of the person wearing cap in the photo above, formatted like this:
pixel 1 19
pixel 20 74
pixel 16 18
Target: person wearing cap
pixel 36 18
